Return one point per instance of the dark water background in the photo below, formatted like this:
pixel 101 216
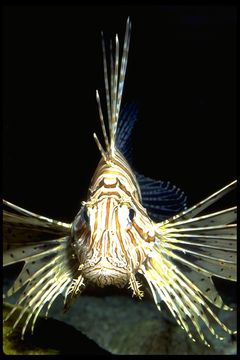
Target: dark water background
pixel 182 70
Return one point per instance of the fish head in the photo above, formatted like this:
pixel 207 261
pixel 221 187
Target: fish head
pixel 108 242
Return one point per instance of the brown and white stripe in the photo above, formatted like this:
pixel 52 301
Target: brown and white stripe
pixel 111 246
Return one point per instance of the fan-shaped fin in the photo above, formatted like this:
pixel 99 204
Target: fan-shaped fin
pixel 161 199
pixel 127 118
pixel 187 252
pixel 49 267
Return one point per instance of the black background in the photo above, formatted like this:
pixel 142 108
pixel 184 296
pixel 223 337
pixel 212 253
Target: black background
pixel 181 69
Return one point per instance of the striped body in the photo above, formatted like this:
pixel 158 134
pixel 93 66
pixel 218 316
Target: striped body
pixel 109 243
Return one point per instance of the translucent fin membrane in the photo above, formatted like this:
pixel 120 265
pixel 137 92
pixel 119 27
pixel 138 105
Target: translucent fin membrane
pixel 46 274
pixel 43 245
pixel 187 252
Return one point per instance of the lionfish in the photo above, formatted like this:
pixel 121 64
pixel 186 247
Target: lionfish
pixel 131 226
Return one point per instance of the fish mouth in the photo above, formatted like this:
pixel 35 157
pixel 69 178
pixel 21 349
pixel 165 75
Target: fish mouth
pixel 104 276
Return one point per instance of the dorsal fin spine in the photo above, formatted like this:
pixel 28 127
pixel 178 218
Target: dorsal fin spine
pixel 113 89
pixel 123 64
pixel 102 122
pixel 103 153
pixel 106 79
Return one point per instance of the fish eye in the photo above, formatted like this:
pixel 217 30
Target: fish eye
pixel 131 214
pixel 85 214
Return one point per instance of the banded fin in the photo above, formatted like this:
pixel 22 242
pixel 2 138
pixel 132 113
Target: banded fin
pixel 114 83
pixel 185 256
pixel 202 205
pixel 211 220
pixel 21 226
pixel 160 198
pixel 44 246
pixel 127 119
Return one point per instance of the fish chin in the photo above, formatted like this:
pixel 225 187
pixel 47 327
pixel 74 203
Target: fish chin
pixel 103 276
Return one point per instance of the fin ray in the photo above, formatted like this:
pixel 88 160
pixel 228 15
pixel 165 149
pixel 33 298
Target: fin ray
pixel 47 258
pixel 184 259
pixel 114 84
pixel 161 199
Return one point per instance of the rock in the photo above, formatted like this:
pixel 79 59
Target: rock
pixel 51 337
pixel 122 325
pixel 119 325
